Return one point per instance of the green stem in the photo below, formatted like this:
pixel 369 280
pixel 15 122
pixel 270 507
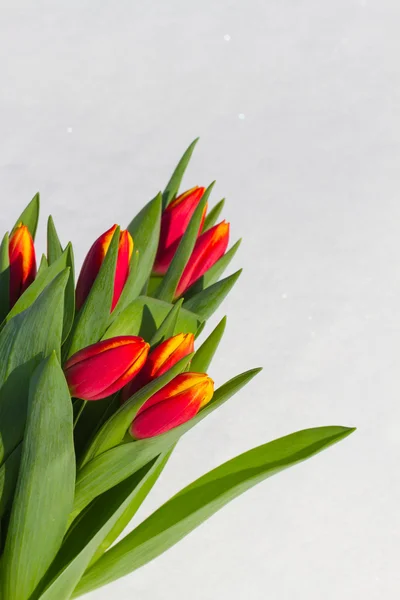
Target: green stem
pixel 80 412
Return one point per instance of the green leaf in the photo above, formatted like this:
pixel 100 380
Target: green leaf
pixel 131 288
pixel 113 431
pixel 213 274
pixel 213 215
pixel 168 326
pixel 170 281
pixel 145 231
pixel 134 505
pixel 204 355
pixel 112 466
pixel 54 248
pixel 42 266
pixel 173 184
pixel 92 320
pixel 24 341
pixel 8 479
pixel 145 315
pixel 45 487
pixel 205 303
pixel 44 277
pixel 30 216
pixel 4 278
pixel 88 533
pixel 200 500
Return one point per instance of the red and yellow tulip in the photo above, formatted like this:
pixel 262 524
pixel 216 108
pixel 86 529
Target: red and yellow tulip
pixel 94 260
pixel 174 222
pixel 177 402
pixel 160 360
pixel 209 248
pixel 102 369
pixel 21 251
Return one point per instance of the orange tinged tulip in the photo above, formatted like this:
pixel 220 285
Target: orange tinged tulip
pixel 174 222
pixel 177 402
pixel 104 368
pixel 21 252
pixel 209 248
pixel 94 260
pixel 160 360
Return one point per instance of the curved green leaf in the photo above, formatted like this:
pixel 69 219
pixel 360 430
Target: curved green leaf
pixel 45 487
pixel 173 184
pixel 25 340
pixel 145 231
pixel 88 533
pixel 168 326
pixel 54 248
pixel 200 500
pixel 116 464
pixel 30 216
pixel 145 315
pixel 205 303
pixel 204 355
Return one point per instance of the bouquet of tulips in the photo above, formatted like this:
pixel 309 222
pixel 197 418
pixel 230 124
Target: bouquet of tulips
pixel 98 382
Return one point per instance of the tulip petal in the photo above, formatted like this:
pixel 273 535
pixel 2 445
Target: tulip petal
pixel 209 248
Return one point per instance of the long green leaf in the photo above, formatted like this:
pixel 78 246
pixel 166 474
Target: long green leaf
pixel 4 279
pixel 167 288
pixel 205 303
pixel 8 478
pixel 145 231
pixel 200 500
pixel 88 533
pixel 54 248
pixel 213 215
pixel 145 315
pixel 114 430
pixel 173 184
pixel 133 507
pixel 30 216
pixel 24 341
pixel 204 355
pixel 168 326
pixel 92 320
pixel 45 487
pixel 113 466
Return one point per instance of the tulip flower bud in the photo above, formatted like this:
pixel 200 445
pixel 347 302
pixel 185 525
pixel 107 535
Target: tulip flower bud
pixel 94 260
pixel 174 222
pixel 177 402
pixel 160 360
pixel 21 251
pixel 209 248
pixel 104 368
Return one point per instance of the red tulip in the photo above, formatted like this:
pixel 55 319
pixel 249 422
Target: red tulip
pixel 21 251
pixel 177 402
pixel 104 368
pixel 209 248
pixel 94 260
pixel 174 222
pixel 160 360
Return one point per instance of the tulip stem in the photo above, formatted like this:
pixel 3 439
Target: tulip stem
pixel 80 412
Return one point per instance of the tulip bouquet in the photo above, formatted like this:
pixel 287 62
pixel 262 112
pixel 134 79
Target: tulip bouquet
pixel 99 381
